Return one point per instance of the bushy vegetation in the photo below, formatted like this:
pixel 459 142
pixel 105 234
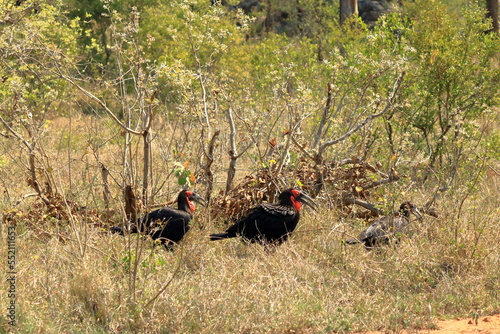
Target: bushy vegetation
pixel 99 95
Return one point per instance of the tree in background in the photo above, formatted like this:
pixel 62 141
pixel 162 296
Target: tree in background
pixel 29 94
pixel 492 12
pixel 347 9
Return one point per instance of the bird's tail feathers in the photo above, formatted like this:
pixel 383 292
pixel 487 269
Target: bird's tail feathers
pixel 122 230
pixel 116 230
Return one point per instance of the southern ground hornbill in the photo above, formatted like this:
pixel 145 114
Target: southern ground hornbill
pixel 270 223
pixel 384 229
pixel 167 224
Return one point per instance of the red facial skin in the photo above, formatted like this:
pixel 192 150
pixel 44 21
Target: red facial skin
pixel 296 204
pixel 192 206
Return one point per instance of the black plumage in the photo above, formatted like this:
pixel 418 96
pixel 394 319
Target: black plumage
pixel 168 225
pixel 386 228
pixel 270 223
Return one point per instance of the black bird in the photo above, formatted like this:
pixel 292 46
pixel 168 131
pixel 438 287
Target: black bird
pixel 386 228
pixel 270 223
pixel 167 224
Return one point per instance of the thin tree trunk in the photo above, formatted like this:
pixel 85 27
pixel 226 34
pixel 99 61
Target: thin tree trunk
pixel 492 12
pixel 233 154
pixel 208 166
pixel 105 192
pixel 348 8
pixel 130 203
pixel 33 182
pixel 324 117
pixel 147 166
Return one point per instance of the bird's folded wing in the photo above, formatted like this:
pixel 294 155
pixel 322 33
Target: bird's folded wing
pixel 278 210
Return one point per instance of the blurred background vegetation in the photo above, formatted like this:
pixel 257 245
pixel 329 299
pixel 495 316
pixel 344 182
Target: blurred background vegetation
pixel 177 70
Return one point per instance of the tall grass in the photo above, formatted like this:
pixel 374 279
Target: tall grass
pixel 76 279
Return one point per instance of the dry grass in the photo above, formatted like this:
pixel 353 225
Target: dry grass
pixel 74 277
pixel 311 284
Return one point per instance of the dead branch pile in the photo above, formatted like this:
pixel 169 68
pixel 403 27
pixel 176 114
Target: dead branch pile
pixel 346 182
pixel 38 216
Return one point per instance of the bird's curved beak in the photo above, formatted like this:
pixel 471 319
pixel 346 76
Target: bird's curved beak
pixel 198 199
pixel 416 212
pixel 308 201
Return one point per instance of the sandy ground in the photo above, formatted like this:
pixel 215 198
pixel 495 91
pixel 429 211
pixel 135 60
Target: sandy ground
pixel 485 325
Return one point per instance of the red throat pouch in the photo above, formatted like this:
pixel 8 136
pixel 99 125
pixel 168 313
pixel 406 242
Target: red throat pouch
pixel 192 206
pixel 296 204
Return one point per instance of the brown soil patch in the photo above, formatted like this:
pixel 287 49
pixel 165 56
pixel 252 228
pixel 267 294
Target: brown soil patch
pixel 484 325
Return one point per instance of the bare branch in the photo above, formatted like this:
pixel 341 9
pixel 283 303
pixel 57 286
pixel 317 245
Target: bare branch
pixel 24 197
pixel 324 116
pixel 200 76
pixel 351 200
pixel 105 192
pixel 393 177
pixel 389 104
pixel 31 158
pixel 16 17
pixel 18 136
pixel 168 282
pixel 375 170
pixel 100 102
pixel 233 154
pixel 208 166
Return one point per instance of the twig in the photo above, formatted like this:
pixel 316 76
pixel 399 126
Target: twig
pixel 32 168
pixel 375 170
pixel 9 20
pixel 100 102
pixel 24 197
pixel 393 177
pixel 207 169
pixel 233 153
pixel 324 116
pixel 168 282
pixel 351 200
pixel 301 148
pixel 474 182
pixel 389 103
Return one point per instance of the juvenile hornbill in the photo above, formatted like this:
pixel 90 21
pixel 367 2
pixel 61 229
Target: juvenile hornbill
pixel 387 227
pixel 270 223
pixel 167 224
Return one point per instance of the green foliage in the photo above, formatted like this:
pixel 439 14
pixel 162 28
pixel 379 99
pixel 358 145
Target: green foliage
pixel 191 31
pixel 453 82
pixel 183 175
pixel 188 39
pixel 192 57
pixel 188 61
pixel 280 67
pixel 26 46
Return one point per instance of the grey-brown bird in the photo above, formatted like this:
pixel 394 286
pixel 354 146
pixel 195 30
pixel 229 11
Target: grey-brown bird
pixel 386 228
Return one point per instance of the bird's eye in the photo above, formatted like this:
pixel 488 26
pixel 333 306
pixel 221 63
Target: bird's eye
pixel 189 193
pixel 295 193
